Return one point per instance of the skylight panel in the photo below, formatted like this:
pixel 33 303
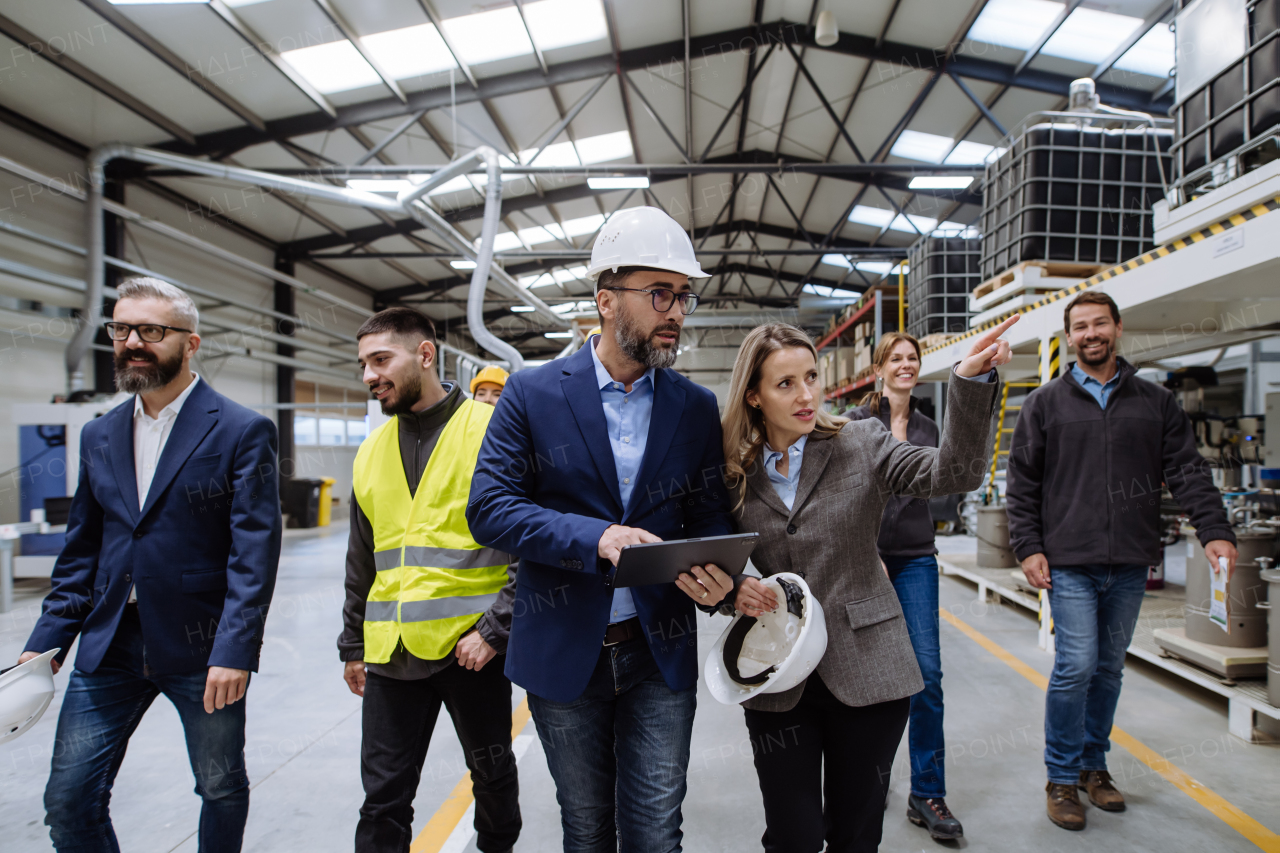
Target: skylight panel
pixel 837 261
pixel 619 183
pixel 558 154
pixel 560 23
pixel 968 153
pixel 333 67
pixel 877 267
pixel 489 36
pixel 830 292
pixel 1088 35
pixel 536 280
pixel 463 265
pixel 583 225
pixel 540 234
pixel 1014 23
pixel 1153 54
pixel 410 52
pixel 929 147
pixel 876 217
pixel 150 2
pixel 605 147
pixel 503 241
pixel 923 224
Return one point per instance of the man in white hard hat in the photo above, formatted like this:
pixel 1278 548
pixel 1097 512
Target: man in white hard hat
pixel 607 448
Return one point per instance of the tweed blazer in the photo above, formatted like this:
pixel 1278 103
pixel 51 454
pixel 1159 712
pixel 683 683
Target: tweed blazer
pixel 829 538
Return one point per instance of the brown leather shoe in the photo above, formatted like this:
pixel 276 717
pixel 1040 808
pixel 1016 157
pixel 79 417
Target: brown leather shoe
pixel 1103 794
pixel 1064 806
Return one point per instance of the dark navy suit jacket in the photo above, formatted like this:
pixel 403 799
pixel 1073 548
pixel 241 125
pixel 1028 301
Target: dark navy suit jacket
pixel 546 488
pixel 203 550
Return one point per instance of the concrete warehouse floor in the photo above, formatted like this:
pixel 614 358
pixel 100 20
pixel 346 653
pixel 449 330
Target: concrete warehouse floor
pixel 304 742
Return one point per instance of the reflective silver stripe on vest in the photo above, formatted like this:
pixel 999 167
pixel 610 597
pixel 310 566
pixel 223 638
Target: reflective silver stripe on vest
pixel 383 560
pixel 454 558
pixel 380 611
pixel 445 608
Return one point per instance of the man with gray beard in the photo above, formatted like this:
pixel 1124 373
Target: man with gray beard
pixel 584 456
pixel 173 542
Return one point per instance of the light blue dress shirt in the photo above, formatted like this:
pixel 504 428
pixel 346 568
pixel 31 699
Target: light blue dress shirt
pixel 1099 391
pixel 785 484
pixel 627 419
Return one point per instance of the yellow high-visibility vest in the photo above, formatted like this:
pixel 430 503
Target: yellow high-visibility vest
pixel 434 581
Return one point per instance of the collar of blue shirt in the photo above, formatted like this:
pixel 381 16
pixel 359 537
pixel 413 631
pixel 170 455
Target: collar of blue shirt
pixel 603 378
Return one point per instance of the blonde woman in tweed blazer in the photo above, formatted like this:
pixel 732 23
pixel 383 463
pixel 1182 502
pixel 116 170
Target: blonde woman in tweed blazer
pixel 814 487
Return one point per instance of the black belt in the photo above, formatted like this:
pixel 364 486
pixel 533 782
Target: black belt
pixel 622 632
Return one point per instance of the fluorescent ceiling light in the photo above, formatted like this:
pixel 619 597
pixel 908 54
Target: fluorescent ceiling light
pixel 929 147
pixel 410 52
pixel 1014 23
pixel 463 265
pixel 968 153
pixel 1088 35
pixel 1153 54
pixel 158 2
pixel 333 67
pixel 521 309
pixel 560 23
pixel 940 182
pixel 618 183
pixel 557 335
pixel 605 147
pixel 489 36
pixel 373 185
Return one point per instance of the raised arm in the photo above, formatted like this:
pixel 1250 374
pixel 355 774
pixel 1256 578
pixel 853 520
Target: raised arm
pixel 959 462
pixel 502 513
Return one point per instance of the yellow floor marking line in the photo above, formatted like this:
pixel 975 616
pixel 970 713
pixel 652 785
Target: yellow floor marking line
pixel 442 823
pixel 1219 807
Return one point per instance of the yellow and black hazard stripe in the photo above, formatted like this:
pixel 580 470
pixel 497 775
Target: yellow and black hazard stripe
pixel 1241 218
pixel 1055 361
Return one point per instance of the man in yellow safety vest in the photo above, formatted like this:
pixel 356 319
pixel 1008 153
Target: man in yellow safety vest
pixel 427 608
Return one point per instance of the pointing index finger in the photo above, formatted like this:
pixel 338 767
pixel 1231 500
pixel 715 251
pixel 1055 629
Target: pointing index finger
pixel 994 334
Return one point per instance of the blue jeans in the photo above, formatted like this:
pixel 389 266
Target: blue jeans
pixel 619 754
pixel 1095 609
pixel 915 579
pixel 101 710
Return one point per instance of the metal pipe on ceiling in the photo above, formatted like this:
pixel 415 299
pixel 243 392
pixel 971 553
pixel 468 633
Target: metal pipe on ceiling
pixel 484 261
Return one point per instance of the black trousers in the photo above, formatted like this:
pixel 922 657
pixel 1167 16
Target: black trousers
pixel 824 771
pixel 399 717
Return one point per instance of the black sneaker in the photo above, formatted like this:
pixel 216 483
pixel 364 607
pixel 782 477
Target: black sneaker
pixel 934 816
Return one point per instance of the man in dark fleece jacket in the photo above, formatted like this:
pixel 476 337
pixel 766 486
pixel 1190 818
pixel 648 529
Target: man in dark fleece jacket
pixel 1090 453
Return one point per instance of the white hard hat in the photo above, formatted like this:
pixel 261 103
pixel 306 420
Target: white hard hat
pixel 25 692
pixel 643 237
pixel 772 653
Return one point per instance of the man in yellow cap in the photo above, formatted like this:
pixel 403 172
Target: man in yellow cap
pixel 487 385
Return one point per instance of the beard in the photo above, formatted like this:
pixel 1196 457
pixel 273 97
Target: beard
pixel 149 377
pixel 1108 350
pixel 404 395
pixel 639 346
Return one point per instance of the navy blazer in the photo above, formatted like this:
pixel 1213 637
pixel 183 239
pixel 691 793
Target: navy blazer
pixel 545 489
pixel 203 551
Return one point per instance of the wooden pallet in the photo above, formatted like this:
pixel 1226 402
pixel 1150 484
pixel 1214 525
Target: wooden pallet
pixel 1029 277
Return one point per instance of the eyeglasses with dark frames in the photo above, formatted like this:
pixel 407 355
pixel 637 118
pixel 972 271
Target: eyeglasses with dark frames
pixel 151 333
pixel 663 299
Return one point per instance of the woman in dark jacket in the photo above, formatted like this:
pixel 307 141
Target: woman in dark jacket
pixel 907 550
pixel 814 487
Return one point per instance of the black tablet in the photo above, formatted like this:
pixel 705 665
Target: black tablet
pixel 662 562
